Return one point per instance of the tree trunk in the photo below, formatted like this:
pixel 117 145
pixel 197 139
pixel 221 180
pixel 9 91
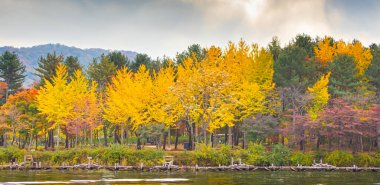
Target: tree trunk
pixel 1 140
pixel 195 133
pixel 318 141
pixel 6 93
pixel 190 132
pixel 5 140
pixel 36 141
pixel 176 138
pixel 244 140
pixel 212 140
pixel 30 141
pixel 126 135
pixel 302 147
pixel 66 139
pixel 116 135
pixel 51 139
pixel 236 135
pixel 302 141
pixel 169 143
pixel 13 136
pixel 46 139
pixel 164 145
pixel 205 136
pixel 138 143
pixel 229 135
pixel 361 143
pixel 58 134
pixel 19 141
pixel 91 144
pixel 225 135
pixel 25 140
pixel 105 135
pixel 378 136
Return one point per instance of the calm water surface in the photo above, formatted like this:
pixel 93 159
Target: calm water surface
pixel 187 178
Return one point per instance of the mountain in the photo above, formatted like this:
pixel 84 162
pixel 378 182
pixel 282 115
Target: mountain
pixel 30 55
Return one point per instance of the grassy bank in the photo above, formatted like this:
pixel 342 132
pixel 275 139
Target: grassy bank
pixel 204 156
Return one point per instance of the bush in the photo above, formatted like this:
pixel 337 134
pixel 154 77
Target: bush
pixel 147 157
pixel 11 153
pixel 207 156
pixel 280 155
pixel 185 158
pixel 365 160
pixel 256 154
pixel 3 156
pixel 340 158
pixel 305 159
pixel 320 154
pixel 114 154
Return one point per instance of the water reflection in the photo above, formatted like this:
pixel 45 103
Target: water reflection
pixel 185 178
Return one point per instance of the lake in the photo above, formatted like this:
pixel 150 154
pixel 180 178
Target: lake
pixel 186 178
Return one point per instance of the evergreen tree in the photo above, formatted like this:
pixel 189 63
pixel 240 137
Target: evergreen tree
pixel 47 66
pixel 194 49
pixel 72 64
pixel 12 71
pixel 118 59
pixel 275 48
pixel 343 79
pixel 102 71
pixel 306 42
pixel 292 68
pixel 373 71
pixel 141 59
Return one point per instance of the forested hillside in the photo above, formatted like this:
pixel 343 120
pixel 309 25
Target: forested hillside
pixel 29 56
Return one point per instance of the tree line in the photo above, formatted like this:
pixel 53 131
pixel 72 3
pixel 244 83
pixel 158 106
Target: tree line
pixel 310 94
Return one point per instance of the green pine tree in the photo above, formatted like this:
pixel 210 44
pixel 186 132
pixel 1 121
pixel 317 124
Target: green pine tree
pixel 292 68
pixel 118 59
pixel 72 64
pixel 141 59
pixel 373 71
pixel 343 79
pixel 47 66
pixel 102 71
pixel 12 71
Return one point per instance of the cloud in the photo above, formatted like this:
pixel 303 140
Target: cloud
pixel 159 27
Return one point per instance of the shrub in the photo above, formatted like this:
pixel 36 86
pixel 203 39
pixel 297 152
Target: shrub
pixel 207 156
pixel 280 155
pixel 147 157
pixel 185 158
pixel 305 159
pixel 3 156
pixel 10 153
pixel 340 158
pixel 365 160
pixel 256 154
pixel 114 154
pixel 320 154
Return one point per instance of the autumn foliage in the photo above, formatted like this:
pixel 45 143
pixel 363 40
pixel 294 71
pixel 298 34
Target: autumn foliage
pixel 218 92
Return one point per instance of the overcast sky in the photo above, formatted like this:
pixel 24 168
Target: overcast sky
pixel 164 27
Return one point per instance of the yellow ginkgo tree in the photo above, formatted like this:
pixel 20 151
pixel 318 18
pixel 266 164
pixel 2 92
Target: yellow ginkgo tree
pixel 326 50
pixel 319 96
pixel 129 99
pixel 87 111
pixel 55 100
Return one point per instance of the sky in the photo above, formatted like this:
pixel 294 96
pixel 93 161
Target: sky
pixel 165 27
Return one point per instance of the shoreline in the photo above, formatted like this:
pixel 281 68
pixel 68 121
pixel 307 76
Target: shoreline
pixel 195 168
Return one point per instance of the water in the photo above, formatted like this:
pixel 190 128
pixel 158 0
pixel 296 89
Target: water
pixel 187 178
